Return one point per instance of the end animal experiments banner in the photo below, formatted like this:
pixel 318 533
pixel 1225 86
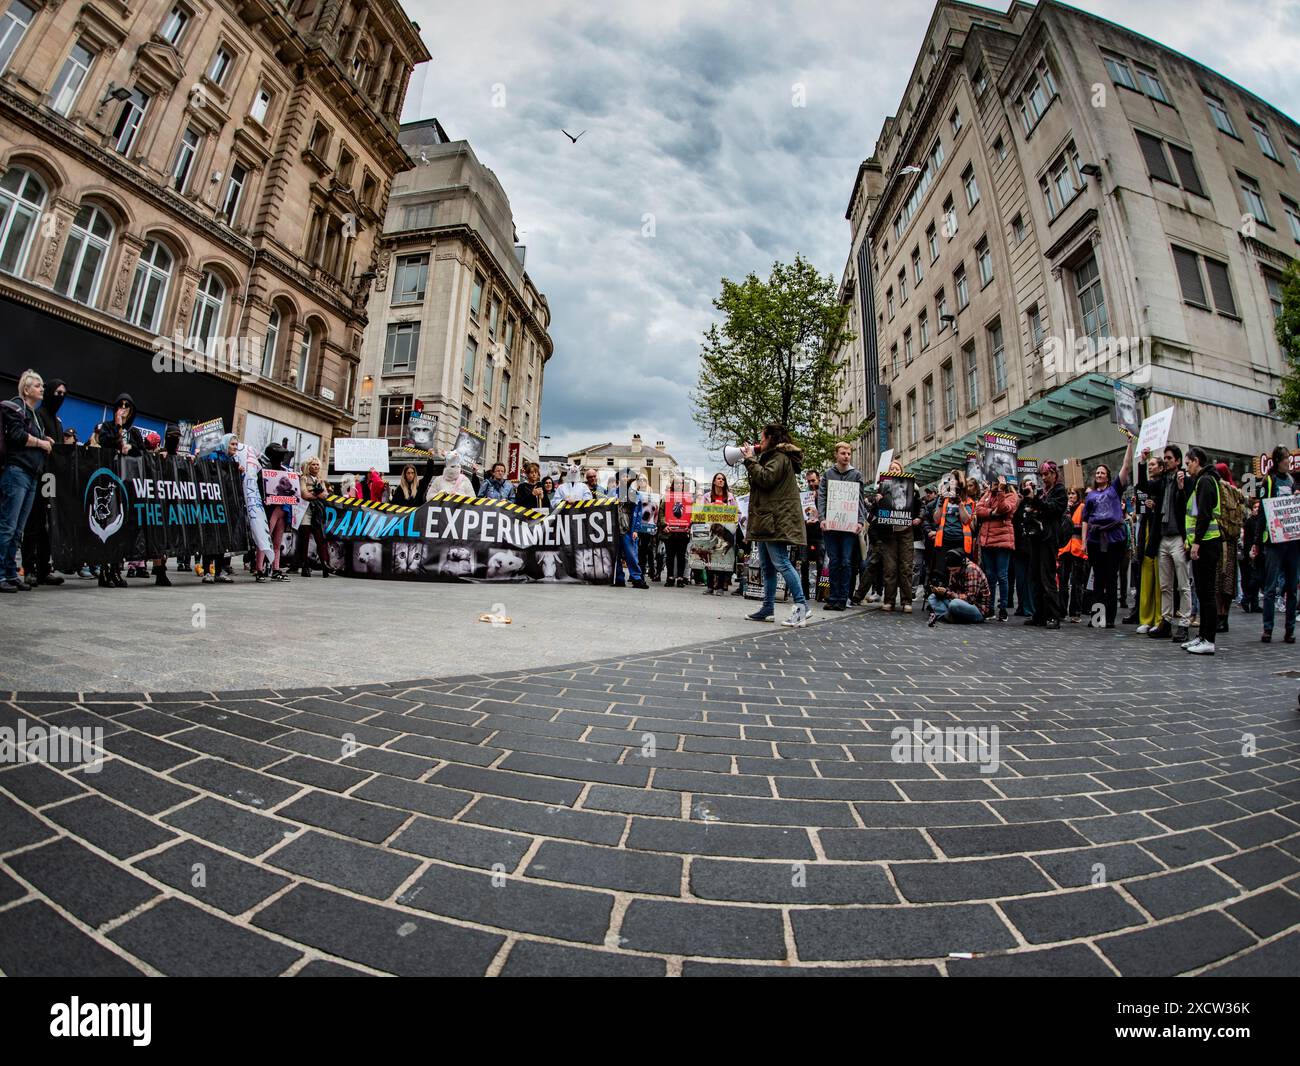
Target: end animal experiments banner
pixel 108 508
pixel 458 538
pixel 897 501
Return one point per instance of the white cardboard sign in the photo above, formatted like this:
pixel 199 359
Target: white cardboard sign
pixel 360 454
pixel 842 500
pixel 1283 516
pixel 1154 434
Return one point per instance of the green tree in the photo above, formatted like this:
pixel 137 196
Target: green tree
pixel 774 359
pixel 1287 328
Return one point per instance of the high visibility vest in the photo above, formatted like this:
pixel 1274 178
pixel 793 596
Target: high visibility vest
pixel 1189 523
pixel 1076 546
pixel 943 521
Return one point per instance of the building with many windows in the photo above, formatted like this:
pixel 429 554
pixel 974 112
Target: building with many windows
pixel 655 463
pixel 201 178
pixel 1060 203
pixel 456 323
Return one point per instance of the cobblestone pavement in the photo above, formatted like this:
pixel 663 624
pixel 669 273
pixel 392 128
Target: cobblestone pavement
pixel 728 808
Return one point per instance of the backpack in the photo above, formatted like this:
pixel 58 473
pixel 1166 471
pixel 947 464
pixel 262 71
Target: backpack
pixel 1232 510
pixel 6 407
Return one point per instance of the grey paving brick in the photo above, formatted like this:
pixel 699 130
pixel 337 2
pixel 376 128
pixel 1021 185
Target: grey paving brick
pixel 533 958
pixel 950 882
pixel 212 876
pixel 1068 915
pixel 147 751
pixel 703 929
pixel 930 932
pixel 1181 891
pixel 871 844
pixel 925 815
pixel 1281 958
pixel 786 882
pixel 464 845
pixel 37 785
pixel 236 783
pixel 616 868
pixel 353 818
pixel 1072 960
pixel 632 801
pixel 235 828
pixel 35 941
pixel 135 788
pixel 1268 913
pixel 697 838
pixel 82 883
pixel 414 796
pixel 1082 866
pixel 552 821
pixel 319 774
pixel 373 872
pixel 1175 947
pixel 513 786
pixel 1006 839
pixel 1255 869
pixel 181 940
pixel 109 827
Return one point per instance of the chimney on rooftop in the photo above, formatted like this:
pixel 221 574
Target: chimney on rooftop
pixel 636 443
pixel 659 444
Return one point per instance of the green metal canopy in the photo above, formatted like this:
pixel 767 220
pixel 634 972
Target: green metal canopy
pixel 1082 400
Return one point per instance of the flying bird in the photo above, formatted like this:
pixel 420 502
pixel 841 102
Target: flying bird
pixel 571 136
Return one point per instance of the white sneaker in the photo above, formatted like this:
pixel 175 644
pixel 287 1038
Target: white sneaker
pixel 1203 647
pixel 1144 629
pixel 873 597
pixel 798 616
pixel 1187 645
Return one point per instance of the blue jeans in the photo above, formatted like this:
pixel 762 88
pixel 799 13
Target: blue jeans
pixel 775 556
pixel 631 556
pixel 997 562
pixel 839 557
pixel 959 612
pixel 1281 570
pixel 17 491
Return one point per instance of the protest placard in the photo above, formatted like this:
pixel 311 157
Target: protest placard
pixel 843 506
pixel 1282 513
pixel 360 454
pixel 1154 434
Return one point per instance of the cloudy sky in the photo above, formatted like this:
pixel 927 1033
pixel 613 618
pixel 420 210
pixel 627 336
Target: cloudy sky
pixel 697 165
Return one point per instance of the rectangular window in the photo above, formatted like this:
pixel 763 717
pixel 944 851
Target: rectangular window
pixel 1118 69
pixel 464 417
pixel 932 242
pixel 980 82
pixel 174 24
pixel 949 394
pixel 997 358
pixel 893 359
pixel 961 287
pixel 471 356
pixel 1018 228
pixel 1000 146
pixel 1189 277
pixel 1035 327
pixel 71 78
pixel 1049 197
pixel 261 106
pixel 949 219
pixel 1221 287
pixel 1274 285
pixel 902 287
pixel 1092 300
pixel 1154 153
pixel 401 347
pixel 494 316
pixel 510 337
pixel 927 406
pixel 1222 120
pixel 505 390
pixel 234 192
pixel 941 310
pixel 972 377
pixel 907 346
pixel 889 302
pixel 1036 96
pixel 418 216
pixel 1295 153
pixel 13 25
pixel 476 296
pixel 220 65
pixel 1292 216
pixel 1185 165
pixel 929 171
pixel 410 279
pixel 896 427
pixel 185 154
pixel 911 418
pixel 487 382
pixel 985 259
pixel 954 121
pixel 918 272
pixel 1264 140
pixel 392 416
pixel 128 121
pixel 972 189
pixel 1252 199
pixel 1149 82
pixel 923 328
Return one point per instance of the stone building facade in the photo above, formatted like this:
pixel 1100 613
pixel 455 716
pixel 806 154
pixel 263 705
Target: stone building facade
pixel 198 178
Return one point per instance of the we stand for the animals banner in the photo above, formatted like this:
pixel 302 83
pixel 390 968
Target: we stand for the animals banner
pixel 108 508
pixel 458 538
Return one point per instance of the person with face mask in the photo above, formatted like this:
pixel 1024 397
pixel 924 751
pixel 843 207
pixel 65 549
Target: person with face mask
pixel 279 517
pixel 215 569
pixel 36 538
pixel 452 480
pixel 572 489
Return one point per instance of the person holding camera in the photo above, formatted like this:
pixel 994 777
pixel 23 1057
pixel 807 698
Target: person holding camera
pixel 954 519
pixel 1103 532
pixel 996 511
pixel 776 517
pixel 1020 554
pixel 1042 519
pixel 965 598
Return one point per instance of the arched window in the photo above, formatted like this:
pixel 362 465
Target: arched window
pixel 271 343
pixel 21 197
pixel 205 321
pixel 153 275
pixel 84 254
pixel 304 359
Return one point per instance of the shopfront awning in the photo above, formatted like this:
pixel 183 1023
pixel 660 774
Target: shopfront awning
pixel 1082 400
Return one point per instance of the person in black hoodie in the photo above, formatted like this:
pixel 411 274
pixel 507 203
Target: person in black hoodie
pixel 1042 519
pixel 1252 558
pixel 118 436
pixel 36 537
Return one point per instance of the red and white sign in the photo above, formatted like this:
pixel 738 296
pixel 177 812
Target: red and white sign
pixel 512 464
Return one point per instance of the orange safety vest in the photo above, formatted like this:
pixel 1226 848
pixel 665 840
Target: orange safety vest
pixel 1076 546
pixel 965 525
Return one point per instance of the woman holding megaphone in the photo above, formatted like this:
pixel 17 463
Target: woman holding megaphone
pixel 776 517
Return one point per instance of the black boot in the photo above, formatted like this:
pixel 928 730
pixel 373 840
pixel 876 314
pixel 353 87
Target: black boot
pixel 118 580
pixel 160 576
pixel 104 583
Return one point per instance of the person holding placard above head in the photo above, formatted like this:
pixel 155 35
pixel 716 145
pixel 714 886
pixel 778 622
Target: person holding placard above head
pixel 1281 558
pixel 954 519
pixel 1103 531
pixel 776 517
pixel 1168 495
pixel 841 513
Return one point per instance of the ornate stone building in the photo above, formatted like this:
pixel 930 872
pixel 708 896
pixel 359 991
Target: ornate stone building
pixel 203 178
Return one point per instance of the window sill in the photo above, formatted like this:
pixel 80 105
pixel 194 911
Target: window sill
pixel 409 303
pixel 1000 396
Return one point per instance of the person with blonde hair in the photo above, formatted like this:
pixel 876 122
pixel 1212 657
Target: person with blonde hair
pixel 313 490
pixel 26 446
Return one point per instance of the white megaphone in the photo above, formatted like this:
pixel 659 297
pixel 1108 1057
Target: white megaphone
pixel 732 455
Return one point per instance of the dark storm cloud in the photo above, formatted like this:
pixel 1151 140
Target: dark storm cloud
pixel 690 119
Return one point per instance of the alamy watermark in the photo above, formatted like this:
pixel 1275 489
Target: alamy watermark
pixel 230 355
pixel 925 743
pixel 57 744
pixel 1070 356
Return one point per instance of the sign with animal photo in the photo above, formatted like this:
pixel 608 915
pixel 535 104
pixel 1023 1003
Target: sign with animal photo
pixel 421 432
pixel 280 487
pixel 207 435
pixel 897 500
pixel 713 537
pixel 808 501
pixel 448 539
pixel 676 513
pixel 843 506
pixel 471 448
pixel 108 508
pixel 1125 413
pixel 997 457
pixel 1282 513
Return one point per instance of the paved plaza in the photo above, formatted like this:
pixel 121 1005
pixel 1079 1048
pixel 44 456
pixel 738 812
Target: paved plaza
pixel 704 797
